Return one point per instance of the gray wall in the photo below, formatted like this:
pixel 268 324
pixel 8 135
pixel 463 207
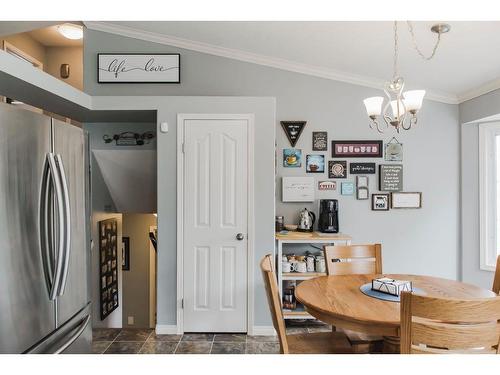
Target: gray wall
pixel 473 110
pixel 136 280
pixel 422 241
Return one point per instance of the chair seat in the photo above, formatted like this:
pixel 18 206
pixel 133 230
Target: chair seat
pixel 364 343
pixel 319 343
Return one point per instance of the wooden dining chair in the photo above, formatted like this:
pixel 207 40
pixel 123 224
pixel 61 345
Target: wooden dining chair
pixel 496 280
pixel 431 325
pixel 309 343
pixel 356 260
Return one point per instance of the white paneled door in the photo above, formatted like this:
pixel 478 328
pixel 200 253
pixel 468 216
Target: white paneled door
pixel 215 225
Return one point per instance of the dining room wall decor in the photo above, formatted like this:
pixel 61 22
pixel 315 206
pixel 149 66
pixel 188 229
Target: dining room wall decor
pixel 406 200
pixel 337 169
pixel 327 185
pixel 292 158
pixel 393 150
pixel 357 149
pixel 347 188
pixel 315 163
pixel 362 168
pixel 320 141
pixel 380 202
pixel 297 189
pixel 293 130
pixel 390 177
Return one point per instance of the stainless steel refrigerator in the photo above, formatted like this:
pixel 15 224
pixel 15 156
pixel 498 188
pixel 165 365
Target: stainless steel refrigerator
pixel 44 254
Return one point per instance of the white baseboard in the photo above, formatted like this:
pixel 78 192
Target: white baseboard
pixel 262 331
pixel 166 329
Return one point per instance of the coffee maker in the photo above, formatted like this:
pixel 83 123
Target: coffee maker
pixel 328 221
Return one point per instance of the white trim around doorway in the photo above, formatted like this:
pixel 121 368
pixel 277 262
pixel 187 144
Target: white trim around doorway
pixel 181 117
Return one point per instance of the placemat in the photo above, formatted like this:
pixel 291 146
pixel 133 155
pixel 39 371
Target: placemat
pixel 367 290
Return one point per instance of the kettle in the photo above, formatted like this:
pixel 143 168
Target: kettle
pixel 306 221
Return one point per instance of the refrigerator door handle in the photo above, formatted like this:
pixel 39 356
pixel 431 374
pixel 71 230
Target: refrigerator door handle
pixel 66 225
pixel 46 226
pixel 81 327
pixel 59 256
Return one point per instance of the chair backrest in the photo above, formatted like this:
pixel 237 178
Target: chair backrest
pixel 274 301
pixel 496 280
pixel 433 325
pixel 354 259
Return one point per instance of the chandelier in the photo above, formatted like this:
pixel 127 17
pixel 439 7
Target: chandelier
pixel 401 108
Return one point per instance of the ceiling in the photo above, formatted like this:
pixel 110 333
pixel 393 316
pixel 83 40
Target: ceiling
pixel 466 65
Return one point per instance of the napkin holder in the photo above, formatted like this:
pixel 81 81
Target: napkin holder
pixel 391 286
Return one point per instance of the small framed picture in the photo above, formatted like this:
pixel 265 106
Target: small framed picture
pixel 380 202
pixel 362 193
pixel 315 163
pixel 319 141
pixel 126 253
pixel 337 169
pixel 347 188
pixel 362 181
pixel 327 185
pixel 292 158
pixel 406 200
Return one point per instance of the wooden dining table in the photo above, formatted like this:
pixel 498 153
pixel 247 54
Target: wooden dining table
pixel 338 300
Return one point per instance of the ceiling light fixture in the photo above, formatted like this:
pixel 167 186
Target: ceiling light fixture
pixel 70 31
pixel 400 103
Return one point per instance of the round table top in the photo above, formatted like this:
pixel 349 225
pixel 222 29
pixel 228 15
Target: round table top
pixel 338 300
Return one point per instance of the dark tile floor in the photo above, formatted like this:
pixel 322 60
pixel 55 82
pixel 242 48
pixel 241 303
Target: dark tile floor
pixel 145 341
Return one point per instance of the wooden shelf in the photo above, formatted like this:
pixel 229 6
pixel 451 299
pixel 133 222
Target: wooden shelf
pixel 296 314
pixel 301 276
pixel 312 236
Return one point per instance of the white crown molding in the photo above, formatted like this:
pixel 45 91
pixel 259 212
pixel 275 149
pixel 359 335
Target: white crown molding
pixel 253 58
pixel 478 91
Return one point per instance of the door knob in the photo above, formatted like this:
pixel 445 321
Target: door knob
pixel 240 236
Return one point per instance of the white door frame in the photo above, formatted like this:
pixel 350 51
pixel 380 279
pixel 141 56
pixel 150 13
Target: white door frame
pixel 181 117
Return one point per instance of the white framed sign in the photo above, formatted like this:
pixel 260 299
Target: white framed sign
pixel 298 189
pixel 406 200
pixel 138 68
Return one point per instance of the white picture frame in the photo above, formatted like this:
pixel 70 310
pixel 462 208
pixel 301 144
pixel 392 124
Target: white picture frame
pixel 298 189
pixel 406 200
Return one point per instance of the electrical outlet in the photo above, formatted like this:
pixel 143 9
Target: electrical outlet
pixel 130 320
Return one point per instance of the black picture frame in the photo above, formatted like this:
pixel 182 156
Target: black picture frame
pixel 293 130
pixel 320 141
pixel 108 269
pixel 387 197
pixel 126 253
pixel 138 54
pixel 337 169
pixel 359 149
pixel 362 168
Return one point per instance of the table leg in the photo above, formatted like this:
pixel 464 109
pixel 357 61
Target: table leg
pixel 391 345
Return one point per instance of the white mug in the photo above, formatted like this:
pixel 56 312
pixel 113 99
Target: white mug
pixel 300 267
pixel 286 267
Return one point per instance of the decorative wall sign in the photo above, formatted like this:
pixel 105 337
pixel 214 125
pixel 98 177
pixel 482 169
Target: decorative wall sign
pixel 380 202
pixel 390 177
pixel 362 168
pixel 327 185
pixel 292 158
pixel 357 149
pixel 337 169
pixel 297 189
pixel 320 141
pixel 347 188
pixel 394 150
pixel 362 181
pixel 138 68
pixel 108 252
pixel 406 200
pixel 362 193
pixel 293 130
pixel 315 163
pixel 130 138
pixel 125 253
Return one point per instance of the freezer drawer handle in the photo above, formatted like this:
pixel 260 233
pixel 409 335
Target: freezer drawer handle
pixel 82 325
pixel 66 225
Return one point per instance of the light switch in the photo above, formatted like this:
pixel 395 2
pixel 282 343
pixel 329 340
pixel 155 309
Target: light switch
pixel 130 320
pixel 164 127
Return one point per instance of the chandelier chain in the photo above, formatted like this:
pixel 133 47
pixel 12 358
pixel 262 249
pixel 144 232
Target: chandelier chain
pixel 396 50
pixel 415 45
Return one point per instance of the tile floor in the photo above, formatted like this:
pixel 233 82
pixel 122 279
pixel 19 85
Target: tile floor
pixel 145 341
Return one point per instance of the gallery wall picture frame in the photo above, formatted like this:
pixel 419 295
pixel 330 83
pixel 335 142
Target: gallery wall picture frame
pixel 362 168
pixel 390 177
pixel 292 158
pixel 315 163
pixel 347 188
pixel 327 185
pixel 362 193
pixel 138 68
pixel 337 169
pixel 320 141
pixel 126 253
pixel 393 150
pixel 409 200
pixel 297 189
pixel 381 201
pixel 108 276
pixel 357 149
pixel 293 130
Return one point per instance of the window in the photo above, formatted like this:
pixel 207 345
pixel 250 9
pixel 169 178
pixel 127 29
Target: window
pixel 489 194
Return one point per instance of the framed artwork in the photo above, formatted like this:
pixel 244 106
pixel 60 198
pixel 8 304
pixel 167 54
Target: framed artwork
pixel 347 188
pixel 406 200
pixel 139 68
pixel 362 193
pixel 390 177
pixel 293 130
pixel 362 181
pixel 319 141
pixel 292 158
pixel 380 202
pixel 357 149
pixel 108 234
pixel 394 150
pixel 327 185
pixel 362 168
pixel 297 189
pixel 315 163
pixel 125 253
pixel 337 169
